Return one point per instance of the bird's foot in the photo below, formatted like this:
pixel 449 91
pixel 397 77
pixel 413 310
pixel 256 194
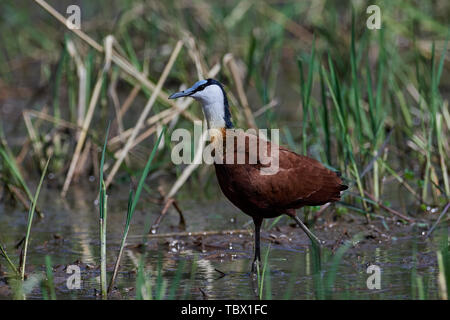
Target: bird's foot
pixel 256 266
pixel 320 244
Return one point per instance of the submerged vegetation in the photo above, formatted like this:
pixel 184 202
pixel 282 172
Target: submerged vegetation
pixel 372 104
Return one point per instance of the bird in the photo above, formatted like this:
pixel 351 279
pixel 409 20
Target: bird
pixel 298 181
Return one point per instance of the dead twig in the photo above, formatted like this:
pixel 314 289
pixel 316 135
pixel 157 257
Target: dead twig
pixel 145 112
pixel 190 168
pixel 87 121
pixel 390 210
pixel 228 60
pixel 438 220
pixel 167 205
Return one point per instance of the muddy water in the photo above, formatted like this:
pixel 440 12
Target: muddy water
pixel 69 235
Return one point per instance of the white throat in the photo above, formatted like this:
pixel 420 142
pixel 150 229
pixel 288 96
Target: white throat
pixel 214 114
pixel 212 102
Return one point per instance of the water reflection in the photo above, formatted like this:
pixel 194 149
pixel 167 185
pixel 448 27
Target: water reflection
pixel 222 263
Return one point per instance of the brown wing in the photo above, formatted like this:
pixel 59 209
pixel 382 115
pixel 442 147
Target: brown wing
pixel 298 181
pixel 303 181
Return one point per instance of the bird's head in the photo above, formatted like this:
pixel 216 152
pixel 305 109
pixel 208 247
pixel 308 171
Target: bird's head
pixel 212 96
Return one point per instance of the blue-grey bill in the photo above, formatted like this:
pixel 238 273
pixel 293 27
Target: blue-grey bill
pixel 179 95
pixel 189 91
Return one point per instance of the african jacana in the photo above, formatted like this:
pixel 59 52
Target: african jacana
pixel 300 181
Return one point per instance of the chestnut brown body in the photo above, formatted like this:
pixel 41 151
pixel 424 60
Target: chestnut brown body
pixel 299 181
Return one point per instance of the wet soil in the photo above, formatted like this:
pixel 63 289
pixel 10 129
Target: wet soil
pixel 69 235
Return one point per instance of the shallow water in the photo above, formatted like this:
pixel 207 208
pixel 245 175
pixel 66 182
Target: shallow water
pixel 69 235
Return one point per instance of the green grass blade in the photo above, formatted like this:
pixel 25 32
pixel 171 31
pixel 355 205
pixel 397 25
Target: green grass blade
pixel 146 170
pixel 8 260
pixel 132 202
pixel 331 276
pixel 30 221
pixel 50 282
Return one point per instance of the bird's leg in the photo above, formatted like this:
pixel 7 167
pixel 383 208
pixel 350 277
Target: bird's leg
pixel 311 235
pixel 316 243
pixel 257 222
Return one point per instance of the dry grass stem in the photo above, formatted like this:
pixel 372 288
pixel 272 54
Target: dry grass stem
pixel 145 112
